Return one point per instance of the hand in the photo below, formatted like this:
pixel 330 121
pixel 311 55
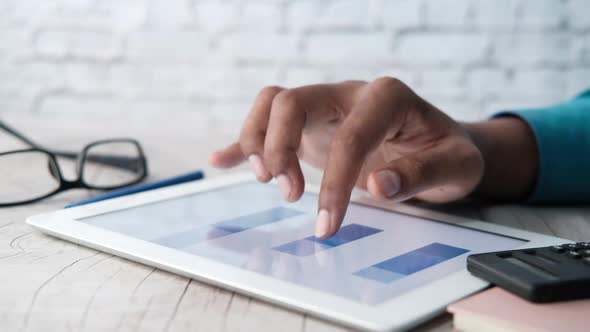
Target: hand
pixel 380 136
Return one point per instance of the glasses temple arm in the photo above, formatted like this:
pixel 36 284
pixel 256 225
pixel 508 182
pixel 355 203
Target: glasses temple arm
pixel 133 164
pixel 126 163
pixel 18 135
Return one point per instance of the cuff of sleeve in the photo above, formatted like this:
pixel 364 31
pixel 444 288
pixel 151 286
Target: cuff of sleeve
pixel 563 144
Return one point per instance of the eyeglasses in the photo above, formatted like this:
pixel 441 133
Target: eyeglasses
pixel 32 174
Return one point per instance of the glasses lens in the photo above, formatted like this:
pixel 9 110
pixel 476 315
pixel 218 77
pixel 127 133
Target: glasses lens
pixel 27 175
pixel 113 164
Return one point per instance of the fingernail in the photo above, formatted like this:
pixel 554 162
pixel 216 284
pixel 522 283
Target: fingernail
pixel 284 185
pixel 388 182
pixel 322 226
pixel 256 164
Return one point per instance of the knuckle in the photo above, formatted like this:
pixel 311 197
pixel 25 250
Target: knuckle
pixel 277 160
pixel 269 91
pixel 273 151
pixel 286 99
pixel 386 84
pixel 330 188
pixel 279 155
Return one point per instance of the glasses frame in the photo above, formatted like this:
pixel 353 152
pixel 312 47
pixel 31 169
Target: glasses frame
pixel 84 157
pixel 81 159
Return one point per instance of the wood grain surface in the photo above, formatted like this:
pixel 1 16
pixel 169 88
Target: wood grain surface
pixel 47 284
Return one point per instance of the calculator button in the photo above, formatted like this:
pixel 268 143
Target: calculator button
pixel 585 245
pixel 585 252
pixel 586 260
pixel 574 254
pixel 558 249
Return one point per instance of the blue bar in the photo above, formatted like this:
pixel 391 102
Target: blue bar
pixel 189 237
pixel 442 250
pixel 347 234
pixel 378 274
pixel 302 247
pixel 410 262
pixel 312 244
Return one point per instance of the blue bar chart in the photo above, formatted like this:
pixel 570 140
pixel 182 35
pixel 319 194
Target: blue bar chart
pixel 312 244
pixel 411 262
pixel 189 237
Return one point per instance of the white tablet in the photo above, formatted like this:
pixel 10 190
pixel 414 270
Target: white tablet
pixel 388 267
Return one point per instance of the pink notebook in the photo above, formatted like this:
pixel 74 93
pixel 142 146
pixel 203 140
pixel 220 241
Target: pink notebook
pixel 498 310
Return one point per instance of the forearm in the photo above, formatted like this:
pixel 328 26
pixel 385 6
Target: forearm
pixel 510 156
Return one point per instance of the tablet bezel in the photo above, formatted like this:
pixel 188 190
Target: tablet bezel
pixel 401 312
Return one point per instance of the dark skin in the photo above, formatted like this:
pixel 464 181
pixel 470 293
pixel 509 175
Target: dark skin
pixel 382 137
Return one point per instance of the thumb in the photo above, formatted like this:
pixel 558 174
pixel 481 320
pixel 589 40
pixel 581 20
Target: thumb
pixel 442 173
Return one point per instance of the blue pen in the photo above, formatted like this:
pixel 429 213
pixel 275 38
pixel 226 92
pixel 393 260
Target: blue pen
pixel 141 187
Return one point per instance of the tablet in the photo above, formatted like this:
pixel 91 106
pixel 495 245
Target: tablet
pixel 390 266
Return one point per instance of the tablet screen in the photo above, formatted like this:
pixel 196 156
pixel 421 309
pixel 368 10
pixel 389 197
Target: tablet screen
pixel 375 256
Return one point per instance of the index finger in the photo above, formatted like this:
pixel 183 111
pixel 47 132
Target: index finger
pixel 360 133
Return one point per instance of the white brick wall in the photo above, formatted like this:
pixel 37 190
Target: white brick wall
pixel 470 57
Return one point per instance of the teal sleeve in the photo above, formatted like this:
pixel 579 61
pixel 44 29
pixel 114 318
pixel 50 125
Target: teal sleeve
pixel 563 139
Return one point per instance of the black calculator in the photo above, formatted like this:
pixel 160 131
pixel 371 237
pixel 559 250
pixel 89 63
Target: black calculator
pixel 547 274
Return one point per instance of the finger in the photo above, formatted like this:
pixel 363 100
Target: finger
pixel 254 132
pixel 286 123
pixel 445 172
pixel 229 157
pixel 365 127
pixel 291 111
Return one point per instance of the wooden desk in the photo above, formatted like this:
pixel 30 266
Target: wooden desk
pixel 47 284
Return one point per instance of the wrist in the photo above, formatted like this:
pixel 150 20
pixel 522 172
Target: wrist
pixel 510 155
